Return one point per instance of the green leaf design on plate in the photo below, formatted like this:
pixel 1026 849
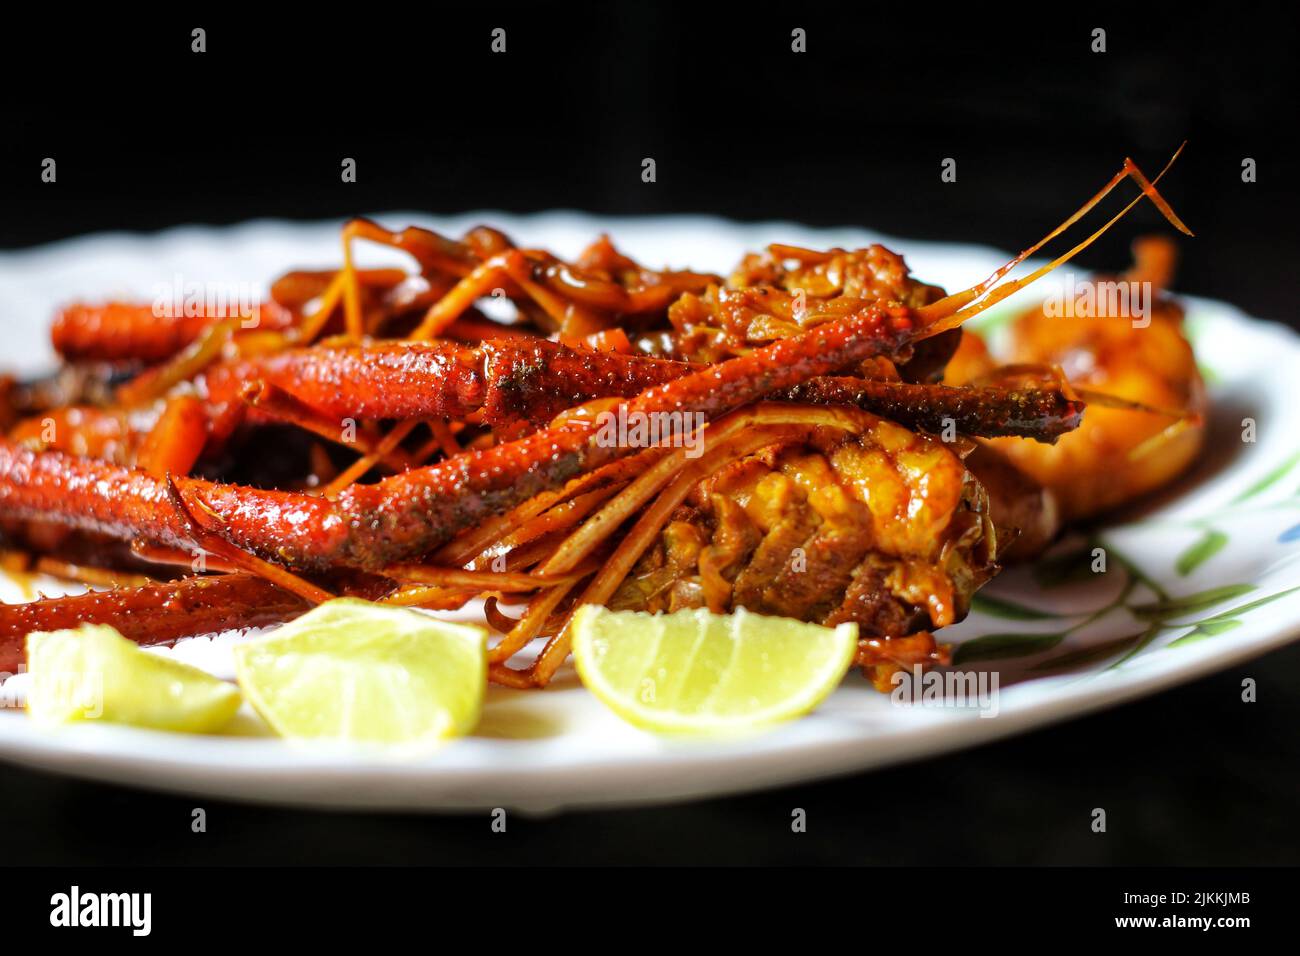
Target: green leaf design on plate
pixel 1071 567
pixel 1088 655
pixel 1226 620
pixel 1210 544
pixel 1272 478
pixel 998 646
pixel 1243 608
pixel 1008 610
pixel 1191 603
pixel 1207 629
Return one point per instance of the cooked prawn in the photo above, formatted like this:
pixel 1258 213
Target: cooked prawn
pixel 1146 398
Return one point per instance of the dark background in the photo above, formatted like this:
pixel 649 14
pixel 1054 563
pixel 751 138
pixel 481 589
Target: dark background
pixel 147 134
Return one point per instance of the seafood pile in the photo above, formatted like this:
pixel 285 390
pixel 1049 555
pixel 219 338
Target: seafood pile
pixel 813 436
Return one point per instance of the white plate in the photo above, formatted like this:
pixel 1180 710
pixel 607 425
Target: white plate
pixel 539 751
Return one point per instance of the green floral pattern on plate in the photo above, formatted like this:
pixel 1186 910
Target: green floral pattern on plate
pixel 1148 601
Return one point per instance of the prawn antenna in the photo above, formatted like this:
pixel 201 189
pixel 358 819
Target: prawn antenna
pixel 951 311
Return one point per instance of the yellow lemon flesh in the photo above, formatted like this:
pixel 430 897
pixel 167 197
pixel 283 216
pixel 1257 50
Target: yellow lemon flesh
pixel 696 673
pixel 358 672
pixel 94 673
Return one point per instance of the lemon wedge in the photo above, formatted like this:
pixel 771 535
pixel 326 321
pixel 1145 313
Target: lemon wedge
pixel 94 673
pixel 696 673
pixel 358 672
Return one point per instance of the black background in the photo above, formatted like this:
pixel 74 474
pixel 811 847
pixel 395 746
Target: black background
pixel 148 134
